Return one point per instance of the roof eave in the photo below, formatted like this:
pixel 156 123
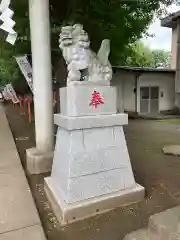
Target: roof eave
pixel 171 20
pixel 144 69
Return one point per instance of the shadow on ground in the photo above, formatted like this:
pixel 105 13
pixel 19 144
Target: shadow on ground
pixel 159 174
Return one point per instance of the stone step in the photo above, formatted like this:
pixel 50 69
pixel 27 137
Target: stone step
pixel 166 225
pixel 142 234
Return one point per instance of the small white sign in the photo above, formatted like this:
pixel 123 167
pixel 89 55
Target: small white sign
pixel 26 69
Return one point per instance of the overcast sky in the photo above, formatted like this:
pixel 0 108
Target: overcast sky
pixel 162 38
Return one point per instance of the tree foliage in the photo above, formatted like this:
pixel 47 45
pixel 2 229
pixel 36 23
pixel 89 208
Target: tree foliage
pixel 161 58
pixel 9 71
pixel 123 22
pixel 142 56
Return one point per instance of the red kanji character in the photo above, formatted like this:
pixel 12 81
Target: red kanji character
pixel 96 100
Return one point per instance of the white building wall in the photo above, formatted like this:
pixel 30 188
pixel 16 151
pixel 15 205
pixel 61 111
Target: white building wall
pixel 118 83
pixel 126 83
pixel 166 84
pixel 174 47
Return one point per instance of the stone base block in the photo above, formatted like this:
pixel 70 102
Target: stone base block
pixel 38 162
pixel 72 105
pixel 68 213
pixel 97 158
pixel 87 122
pixel 172 150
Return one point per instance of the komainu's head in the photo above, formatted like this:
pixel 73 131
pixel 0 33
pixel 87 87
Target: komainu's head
pixel 72 35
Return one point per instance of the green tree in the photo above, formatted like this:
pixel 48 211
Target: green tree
pixel 161 58
pixel 142 56
pixel 9 70
pixel 123 22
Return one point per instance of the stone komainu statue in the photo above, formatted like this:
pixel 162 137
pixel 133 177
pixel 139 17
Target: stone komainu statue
pixel 82 63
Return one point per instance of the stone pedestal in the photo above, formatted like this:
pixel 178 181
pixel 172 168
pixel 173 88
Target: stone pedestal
pixel 38 162
pixel 91 170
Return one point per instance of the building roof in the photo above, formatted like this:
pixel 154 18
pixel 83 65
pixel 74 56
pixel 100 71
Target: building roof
pixel 138 69
pixel 171 20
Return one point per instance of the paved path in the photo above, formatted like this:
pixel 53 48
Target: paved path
pixel 19 219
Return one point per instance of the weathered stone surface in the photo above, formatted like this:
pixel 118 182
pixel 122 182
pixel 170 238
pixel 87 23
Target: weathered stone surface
pixel 162 226
pixel 75 100
pixel 97 158
pixel 172 150
pixel 91 163
pixel 82 62
pixel 75 123
pixel 38 162
pixel 142 234
pixel 99 184
pixel 68 213
pixel 166 225
pixel 30 233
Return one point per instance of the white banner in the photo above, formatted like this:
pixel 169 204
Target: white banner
pixel 26 69
pixel 5 94
pixel 10 92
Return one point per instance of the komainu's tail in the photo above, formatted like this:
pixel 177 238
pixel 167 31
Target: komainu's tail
pixel 104 52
